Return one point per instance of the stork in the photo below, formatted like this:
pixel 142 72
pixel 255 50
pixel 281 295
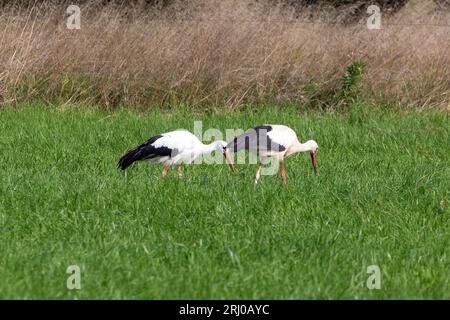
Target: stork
pixel 277 141
pixel 173 148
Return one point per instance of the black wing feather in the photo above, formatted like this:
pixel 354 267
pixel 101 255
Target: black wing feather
pixel 145 151
pixel 255 139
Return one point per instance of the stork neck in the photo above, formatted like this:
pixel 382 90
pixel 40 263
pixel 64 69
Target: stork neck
pixel 301 147
pixel 208 148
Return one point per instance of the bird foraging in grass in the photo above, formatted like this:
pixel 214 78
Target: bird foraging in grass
pixel 273 141
pixel 173 148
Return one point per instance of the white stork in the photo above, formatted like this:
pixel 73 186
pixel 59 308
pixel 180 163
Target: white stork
pixel 276 141
pixel 173 148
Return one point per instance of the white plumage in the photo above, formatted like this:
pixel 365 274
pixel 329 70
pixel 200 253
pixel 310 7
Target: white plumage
pixel 173 148
pixel 183 145
pixel 276 141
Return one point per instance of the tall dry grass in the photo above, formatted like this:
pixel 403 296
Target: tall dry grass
pixel 216 53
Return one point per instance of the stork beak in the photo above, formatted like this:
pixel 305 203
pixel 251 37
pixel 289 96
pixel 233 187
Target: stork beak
pixel 229 160
pixel 313 161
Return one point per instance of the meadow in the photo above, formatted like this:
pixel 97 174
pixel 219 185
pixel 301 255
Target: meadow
pixel 381 197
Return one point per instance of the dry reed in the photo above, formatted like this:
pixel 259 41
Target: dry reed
pixel 216 53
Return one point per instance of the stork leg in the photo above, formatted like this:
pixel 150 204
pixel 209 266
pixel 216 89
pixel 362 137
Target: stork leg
pixel 283 173
pixel 258 172
pixel 166 167
pixel 180 170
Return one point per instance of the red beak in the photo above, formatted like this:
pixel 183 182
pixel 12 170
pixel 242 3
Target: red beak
pixel 229 161
pixel 314 163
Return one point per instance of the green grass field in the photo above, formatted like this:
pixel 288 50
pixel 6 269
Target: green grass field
pixel 382 197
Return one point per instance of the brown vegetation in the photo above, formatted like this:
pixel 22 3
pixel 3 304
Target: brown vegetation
pixel 217 53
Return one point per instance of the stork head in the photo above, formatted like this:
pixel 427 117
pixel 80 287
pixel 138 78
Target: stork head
pixel 313 147
pixel 222 147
